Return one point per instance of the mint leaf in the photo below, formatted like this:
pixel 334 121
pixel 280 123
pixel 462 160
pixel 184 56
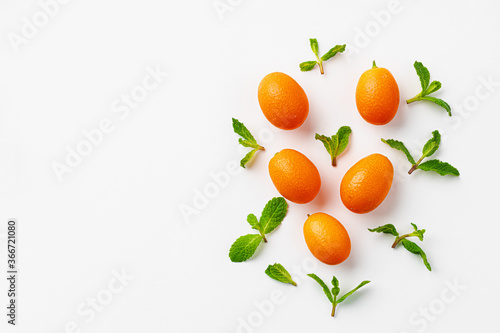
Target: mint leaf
pixel 330 146
pixel 314 45
pixel 337 143
pixel 429 149
pixel 439 102
pixel 332 52
pixel 343 298
pixel 343 136
pixel 433 87
pixel 335 289
pixel 307 66
pixel 247 157
pixel 246 140
pixel 409 245
pixel 332 295
pixel 323 285
pixel 432 145
pixel 272 215
pixel 252 220
pixel 242 131
pixel 443 168
pixel 244 247
pixel 415 249
pixel 418 233
pixel 246 143
pixel 279 273
pixel 399 146
pixel 423 74
pixel 386 229
pixel 274 212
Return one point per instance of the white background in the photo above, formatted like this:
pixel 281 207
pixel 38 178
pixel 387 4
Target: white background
pixel 119 209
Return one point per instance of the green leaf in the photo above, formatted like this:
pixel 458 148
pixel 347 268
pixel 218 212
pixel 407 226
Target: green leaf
pixel 252 220
pixel 337 143
pixel 314 45
pixel 279 273
pixel 335 289
pixel 323 285
pixel 439 102
pixel 333 51
pixel 307 65
pixel 244 247
pixel 246 143
pixel 248 157
pixel 399 146
pixel 423 74
pixel 386 229
pixel 343 298
pixel 274 212
pixel 242 131
pixel 246 140
pixel 418 233
pixel 415 249
pixel 343 136
pixel 335 146
pixel 432 145
pixel 330 146
pixel 433 87
pixel 443 168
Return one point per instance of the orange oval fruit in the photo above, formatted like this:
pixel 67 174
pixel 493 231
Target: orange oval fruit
pixel 327 239
pixel 366 184
pixel 294 176
pixel 283 101
pixel 377 96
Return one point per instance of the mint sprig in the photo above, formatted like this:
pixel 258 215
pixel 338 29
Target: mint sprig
pixel 442 168
pixel 337 143
pixel 246 140
pixel 309 65
pixel 273 214
pixel 279 273
pixel 334 292
pixel 407 244
pixel 428 88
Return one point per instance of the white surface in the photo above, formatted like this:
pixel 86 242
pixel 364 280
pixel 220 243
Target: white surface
pixel 119 209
